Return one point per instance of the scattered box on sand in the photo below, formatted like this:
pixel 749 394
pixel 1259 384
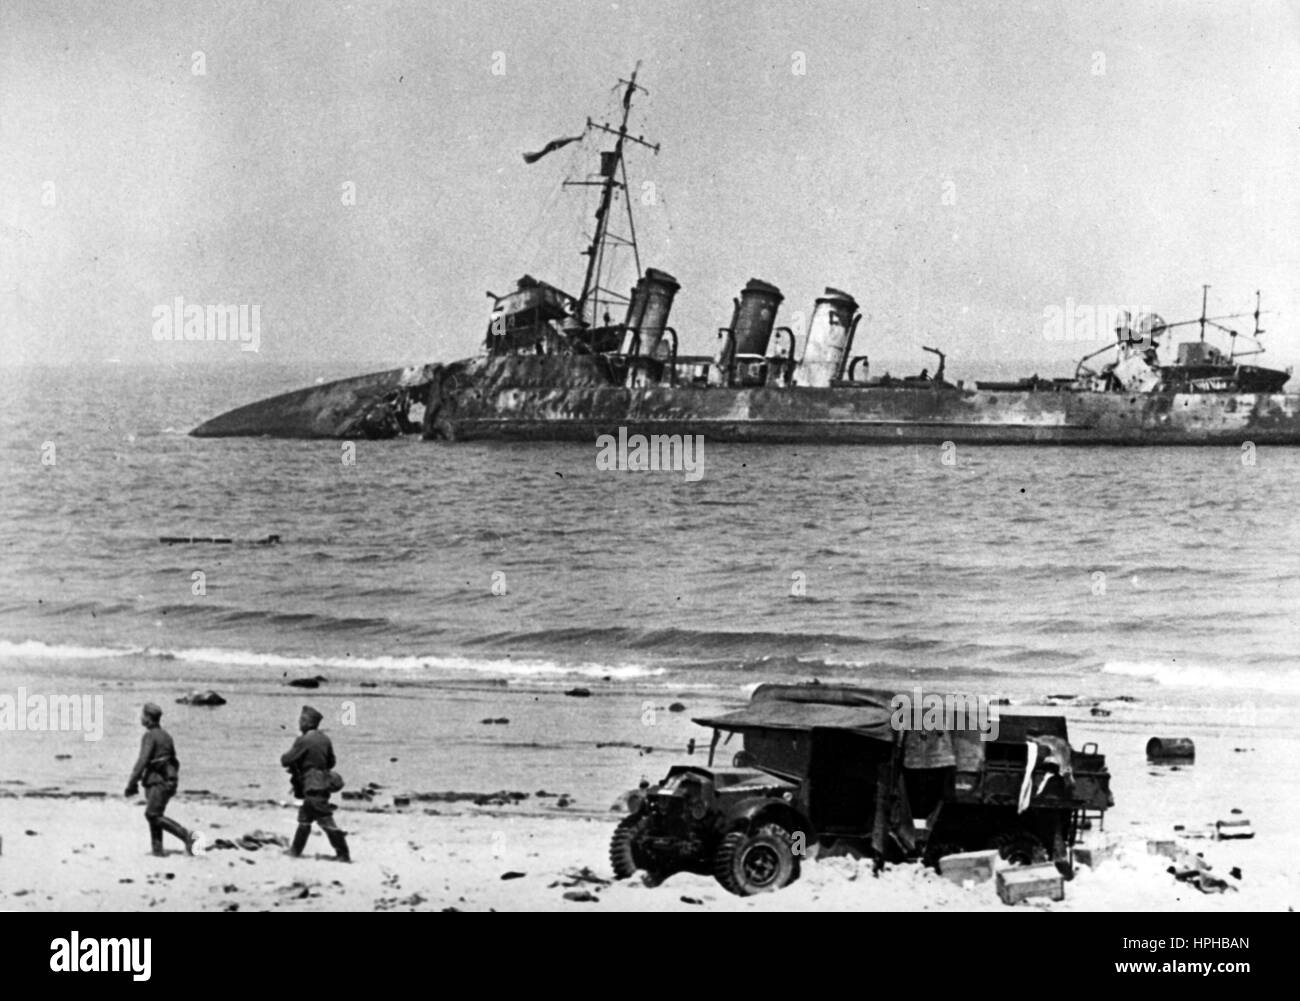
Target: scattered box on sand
pixel 1023 882
pixel 1094 855
pixel 1229 830
pixel 1169 849
pixel 977 866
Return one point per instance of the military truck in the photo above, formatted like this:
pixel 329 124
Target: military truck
pixel 821 764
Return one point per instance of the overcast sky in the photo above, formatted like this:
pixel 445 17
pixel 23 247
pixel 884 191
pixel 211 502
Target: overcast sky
pixel 1106 153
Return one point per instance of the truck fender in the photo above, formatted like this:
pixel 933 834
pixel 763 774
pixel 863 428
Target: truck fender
pixel 751 814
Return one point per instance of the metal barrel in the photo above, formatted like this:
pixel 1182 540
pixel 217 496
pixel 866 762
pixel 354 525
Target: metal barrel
pixel 660 288
pixel 1170 749
pixel 828 340
pixel 754 317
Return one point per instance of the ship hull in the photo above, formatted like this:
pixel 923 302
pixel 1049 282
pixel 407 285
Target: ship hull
pixel 849 415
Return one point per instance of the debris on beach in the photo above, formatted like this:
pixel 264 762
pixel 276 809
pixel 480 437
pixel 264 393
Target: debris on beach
pixel 677 707
pixel 1201 879
pixel 512 874
pixel 299 890
pixel 259 839
pixel 1020 883
pixel 1161 750
pixel 1094 855
pixel 1232 830
pixel 205 698
pixel 503 797
pixel 579 693
pixel 963 867
pixel 1169 849
pixel 388 903
pixel 581 896
pixel 313 682
pixel 497 721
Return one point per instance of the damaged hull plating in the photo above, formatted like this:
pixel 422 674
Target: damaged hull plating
pixel 365 406
pixel 516 398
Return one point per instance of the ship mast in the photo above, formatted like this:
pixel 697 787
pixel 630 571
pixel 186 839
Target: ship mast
pixel 611 169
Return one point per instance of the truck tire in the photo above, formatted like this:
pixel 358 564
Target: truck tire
pixel 1019 847
pixel 625 857
pixel 749 862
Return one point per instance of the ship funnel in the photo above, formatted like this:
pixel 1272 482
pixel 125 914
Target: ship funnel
pixel 830 334
pixel 754 316
pixel 635 312
pixel 647 313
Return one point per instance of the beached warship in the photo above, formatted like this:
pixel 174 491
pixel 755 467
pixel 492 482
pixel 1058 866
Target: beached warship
pixel 555 366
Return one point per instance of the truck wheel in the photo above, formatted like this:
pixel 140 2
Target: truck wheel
pixel 756 862
pixel 625 856
pixel 1019 847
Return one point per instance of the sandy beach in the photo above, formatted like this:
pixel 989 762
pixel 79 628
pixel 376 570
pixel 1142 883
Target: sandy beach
pixel 514 815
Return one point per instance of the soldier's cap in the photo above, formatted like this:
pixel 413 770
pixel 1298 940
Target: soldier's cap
pixel 152 711
pixel 312 716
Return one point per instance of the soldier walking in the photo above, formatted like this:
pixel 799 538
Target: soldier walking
pixel 310 762
pixel 159 769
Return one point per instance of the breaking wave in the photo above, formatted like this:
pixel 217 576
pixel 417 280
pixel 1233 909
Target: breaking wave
pixel 1285 681
pixel 442 665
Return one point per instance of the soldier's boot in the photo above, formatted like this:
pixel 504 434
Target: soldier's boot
pixel 299 840
pixel 172 827
pixel 155 836
pixel 339 842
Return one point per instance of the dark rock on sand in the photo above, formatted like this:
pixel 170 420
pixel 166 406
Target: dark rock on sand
pixel 677 707
pixel 208 698
pixel 579 693
pixel 581 896
pixel 307 682
pixel 258 838
pixel 512 875
pixel 498 721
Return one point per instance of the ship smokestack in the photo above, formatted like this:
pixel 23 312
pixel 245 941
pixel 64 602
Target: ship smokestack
pixel 647 313
pixel 754 317
pixel 830 334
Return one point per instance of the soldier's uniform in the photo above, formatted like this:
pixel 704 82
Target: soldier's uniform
pixel 158 768
pixel 310 761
